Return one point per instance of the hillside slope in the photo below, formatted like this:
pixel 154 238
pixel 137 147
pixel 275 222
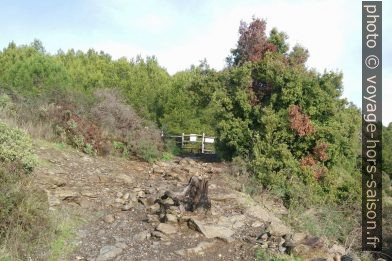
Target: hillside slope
pixel 115 199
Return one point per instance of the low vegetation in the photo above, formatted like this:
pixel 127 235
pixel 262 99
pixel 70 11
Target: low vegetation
pixel 25 225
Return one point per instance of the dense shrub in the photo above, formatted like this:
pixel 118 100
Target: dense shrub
pixel 104 125
pixel 121 124
pixel 16 147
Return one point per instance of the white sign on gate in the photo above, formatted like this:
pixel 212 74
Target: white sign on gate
pixel 193 137
pixel 209 140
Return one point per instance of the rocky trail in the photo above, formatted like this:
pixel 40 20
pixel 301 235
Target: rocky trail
pixel 121 201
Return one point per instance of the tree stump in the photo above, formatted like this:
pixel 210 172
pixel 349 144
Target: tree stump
pixel 195 194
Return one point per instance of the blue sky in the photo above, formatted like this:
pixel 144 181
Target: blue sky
pixel 181 33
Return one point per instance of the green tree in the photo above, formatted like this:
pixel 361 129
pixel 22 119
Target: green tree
pixel 292 125
pixel 188 104
pixel 30 72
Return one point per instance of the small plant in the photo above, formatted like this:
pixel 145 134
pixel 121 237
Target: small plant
pixel 89 149
pixel 78 141
pixel 72 124
pixel 122 148
pixel 166 156
pixel 263 255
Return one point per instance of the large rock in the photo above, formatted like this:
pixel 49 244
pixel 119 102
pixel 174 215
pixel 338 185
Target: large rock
pixel 166 229
pixel 337 249
pixel 211 230
pixel 298 238
pixel 234 222
pixel 159 235
pixel 171 218
pixel 109 252
pixel 277 228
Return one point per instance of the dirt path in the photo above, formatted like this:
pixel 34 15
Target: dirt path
pixel 116 197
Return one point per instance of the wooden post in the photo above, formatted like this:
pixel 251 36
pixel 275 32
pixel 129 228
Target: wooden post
pixel 202 144
pixel 182 141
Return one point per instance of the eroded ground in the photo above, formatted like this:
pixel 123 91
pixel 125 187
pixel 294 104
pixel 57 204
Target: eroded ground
pixel 116 198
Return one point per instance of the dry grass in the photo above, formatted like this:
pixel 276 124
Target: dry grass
pixel 25 224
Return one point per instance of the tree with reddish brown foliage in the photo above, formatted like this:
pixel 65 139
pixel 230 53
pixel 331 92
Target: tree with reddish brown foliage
pixel 308 161
pixel 320 151
pixel 252 44
pixel 299 122
pixel 318 170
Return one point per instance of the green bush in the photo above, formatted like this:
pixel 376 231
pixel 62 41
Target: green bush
pixel 146 150
pixel 172 148
pixel 25 224
pixel 16 146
